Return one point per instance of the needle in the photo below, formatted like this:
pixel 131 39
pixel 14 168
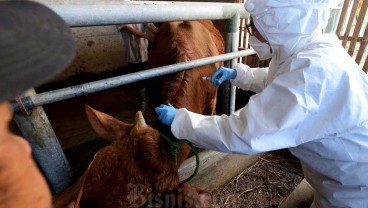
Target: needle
pixel 208 78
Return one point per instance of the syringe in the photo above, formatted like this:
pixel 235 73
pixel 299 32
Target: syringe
pixel 208 78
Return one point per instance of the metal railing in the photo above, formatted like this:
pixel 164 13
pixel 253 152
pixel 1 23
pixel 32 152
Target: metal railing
pixel 37 129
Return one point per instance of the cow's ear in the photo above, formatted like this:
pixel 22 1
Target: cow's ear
pixel 107 126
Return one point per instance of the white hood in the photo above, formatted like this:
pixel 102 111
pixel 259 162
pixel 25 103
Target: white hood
pixel 288 24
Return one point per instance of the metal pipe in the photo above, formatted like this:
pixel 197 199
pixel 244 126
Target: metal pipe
pixel 235 23
pixel 109 13
pixel 87 88
pixel 48 153
pixel 228 90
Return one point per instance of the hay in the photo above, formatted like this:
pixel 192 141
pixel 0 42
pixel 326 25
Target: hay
pixel 264 184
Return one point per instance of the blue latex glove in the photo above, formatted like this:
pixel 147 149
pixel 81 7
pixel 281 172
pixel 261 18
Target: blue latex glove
pixel 222 74
pixel 166 114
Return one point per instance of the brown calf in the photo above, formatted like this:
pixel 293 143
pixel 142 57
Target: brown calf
pixel 134 169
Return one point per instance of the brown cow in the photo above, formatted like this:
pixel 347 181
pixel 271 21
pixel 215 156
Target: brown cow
pixel 177 42
pixel 134 169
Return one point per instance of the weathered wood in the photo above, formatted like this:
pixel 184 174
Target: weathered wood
pixel 350 21
pixel 302 196
pixel 363 46
pixel 357 28
pixel 349 38
pixel 216 168
pixel 344 10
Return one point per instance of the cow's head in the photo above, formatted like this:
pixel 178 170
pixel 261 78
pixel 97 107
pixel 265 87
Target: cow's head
pixel 182 41
pixel 134 167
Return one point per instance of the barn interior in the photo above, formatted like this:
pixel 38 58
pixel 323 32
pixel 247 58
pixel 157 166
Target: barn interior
pixel 100 55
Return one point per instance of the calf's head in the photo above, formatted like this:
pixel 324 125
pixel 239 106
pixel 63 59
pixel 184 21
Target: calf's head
pixel 134 167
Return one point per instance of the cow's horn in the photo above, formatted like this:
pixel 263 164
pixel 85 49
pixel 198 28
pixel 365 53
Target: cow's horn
pixel 139 120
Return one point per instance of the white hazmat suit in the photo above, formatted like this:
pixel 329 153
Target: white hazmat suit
pixel 313 100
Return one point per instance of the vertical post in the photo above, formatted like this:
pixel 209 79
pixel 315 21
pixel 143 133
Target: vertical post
pixel 46 149
pixel 232 35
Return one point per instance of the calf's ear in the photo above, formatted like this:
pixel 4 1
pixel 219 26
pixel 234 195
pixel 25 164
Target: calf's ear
pixel 107 126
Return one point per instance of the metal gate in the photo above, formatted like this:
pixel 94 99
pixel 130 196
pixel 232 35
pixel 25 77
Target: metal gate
pixel 30 116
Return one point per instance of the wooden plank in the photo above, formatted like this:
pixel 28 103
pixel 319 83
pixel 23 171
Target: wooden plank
pixel 343 14
pixel 350 22
pixel 359 39
pixel 363 46
pixel 217 169
pixel 358 27
pixel 302 196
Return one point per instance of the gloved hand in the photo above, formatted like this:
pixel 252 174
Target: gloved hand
pixel 222 74
pixel 166 114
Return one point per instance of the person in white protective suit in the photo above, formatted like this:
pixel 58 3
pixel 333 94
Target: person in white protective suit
pixel 313 99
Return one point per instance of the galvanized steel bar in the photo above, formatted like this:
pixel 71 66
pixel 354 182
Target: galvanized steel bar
pixel 48 153
pixel 87 88
pixel 228 90
pixel 235 22
pixel 110 13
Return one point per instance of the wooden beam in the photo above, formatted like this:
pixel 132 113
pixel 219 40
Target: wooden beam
pixel 216 168
pixel 350 21
pixel 301 196
pixel 363 46
pixel 344 10
pixel 357 28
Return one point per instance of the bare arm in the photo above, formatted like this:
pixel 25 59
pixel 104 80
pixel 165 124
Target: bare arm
pixel 151 27
pixel 134 31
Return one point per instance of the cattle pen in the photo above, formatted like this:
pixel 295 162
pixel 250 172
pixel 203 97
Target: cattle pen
pixel 31 118
pixel 33 121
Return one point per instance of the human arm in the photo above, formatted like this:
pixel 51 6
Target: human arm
pixel 151 27
pixel 253 79
pixel 264 124
pixel 130 29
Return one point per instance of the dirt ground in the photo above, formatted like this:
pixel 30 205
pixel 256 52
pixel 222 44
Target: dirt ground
pixel 265 184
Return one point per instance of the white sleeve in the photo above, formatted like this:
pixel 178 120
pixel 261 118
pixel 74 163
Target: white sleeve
pixel 264 124
pixel 252 79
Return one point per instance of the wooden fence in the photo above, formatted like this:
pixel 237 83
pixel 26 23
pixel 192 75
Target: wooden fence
pixel 352 20
pixel 348 22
